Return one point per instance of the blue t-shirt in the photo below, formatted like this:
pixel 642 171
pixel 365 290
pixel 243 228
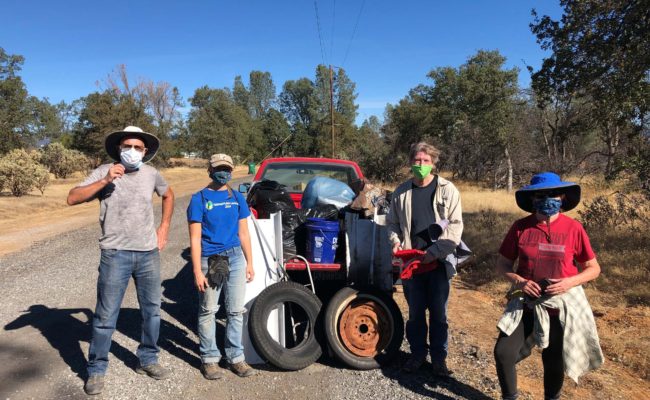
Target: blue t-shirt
pixel 219 217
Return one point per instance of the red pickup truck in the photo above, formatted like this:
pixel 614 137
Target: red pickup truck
pixel 295 172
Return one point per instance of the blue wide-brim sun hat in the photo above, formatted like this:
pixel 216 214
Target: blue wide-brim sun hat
pixel 548 181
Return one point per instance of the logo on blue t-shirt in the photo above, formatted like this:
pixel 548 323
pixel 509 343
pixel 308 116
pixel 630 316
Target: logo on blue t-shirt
pixel 209 205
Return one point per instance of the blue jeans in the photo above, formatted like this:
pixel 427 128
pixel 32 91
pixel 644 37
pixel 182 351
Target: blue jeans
pixel 115 269
pixel 235 289
pixel 429 290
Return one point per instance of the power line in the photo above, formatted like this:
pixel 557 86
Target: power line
pixel 320 37
pixel 333 21
pixel 356 24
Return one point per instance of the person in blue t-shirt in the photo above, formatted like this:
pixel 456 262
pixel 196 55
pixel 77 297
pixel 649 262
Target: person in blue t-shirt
pixel 217 222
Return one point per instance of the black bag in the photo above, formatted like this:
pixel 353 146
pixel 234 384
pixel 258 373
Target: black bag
pixel 269 197
pixel 218 270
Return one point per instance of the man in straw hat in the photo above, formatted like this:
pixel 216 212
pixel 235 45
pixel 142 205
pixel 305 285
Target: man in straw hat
pixel 129 244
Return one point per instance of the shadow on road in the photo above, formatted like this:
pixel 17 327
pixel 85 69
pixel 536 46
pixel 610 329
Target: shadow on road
pixel 172 338
pixel 181 302
pixel 61 329
pixel 64 333
pixel 424 383
pixel 180 299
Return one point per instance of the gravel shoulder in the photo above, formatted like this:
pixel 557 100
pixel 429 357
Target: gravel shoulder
pixel 49 295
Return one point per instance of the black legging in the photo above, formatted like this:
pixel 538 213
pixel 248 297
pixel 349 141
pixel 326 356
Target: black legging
pixel 509 350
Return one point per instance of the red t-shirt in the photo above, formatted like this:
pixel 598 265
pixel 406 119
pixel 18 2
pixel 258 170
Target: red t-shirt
pixel 547 252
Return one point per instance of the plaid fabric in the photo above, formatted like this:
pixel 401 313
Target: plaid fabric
pixel 581 352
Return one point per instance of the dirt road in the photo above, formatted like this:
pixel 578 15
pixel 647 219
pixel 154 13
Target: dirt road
pixel 48 293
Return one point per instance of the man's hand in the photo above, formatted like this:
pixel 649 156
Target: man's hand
pixel 163 233
pixel 116 171
pixel 396 247
pixel 200 281
pixel 250 273
pixel 558 286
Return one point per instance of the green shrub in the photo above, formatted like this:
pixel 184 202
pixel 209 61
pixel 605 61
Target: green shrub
pixel 20 173
pixel 627 211
pixel 41 178
pixel 61 161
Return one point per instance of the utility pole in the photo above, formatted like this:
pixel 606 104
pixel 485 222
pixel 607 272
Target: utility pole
pixel 332 108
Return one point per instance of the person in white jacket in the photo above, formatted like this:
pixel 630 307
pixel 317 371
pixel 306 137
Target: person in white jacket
pixel 418 203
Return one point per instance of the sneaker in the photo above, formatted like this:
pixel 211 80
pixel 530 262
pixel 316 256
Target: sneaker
pixel 413 363
pixel 94 384
pixel 242 369
pixel 440 369
pixel 211 371
pixel 155 371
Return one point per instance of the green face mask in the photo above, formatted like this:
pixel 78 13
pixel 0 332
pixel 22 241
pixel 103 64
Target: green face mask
pixel 421 171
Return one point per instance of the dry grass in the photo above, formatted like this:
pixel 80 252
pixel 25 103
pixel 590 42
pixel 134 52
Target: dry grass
pixel 52 199
pixel 188 162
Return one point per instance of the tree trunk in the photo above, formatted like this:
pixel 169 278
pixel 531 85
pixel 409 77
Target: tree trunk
pixel 612 136
pixel 509 166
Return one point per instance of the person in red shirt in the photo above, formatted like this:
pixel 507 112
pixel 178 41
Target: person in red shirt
pixel 553 255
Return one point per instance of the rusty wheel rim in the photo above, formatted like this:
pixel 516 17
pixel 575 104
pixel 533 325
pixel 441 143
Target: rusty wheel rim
pixel 365 328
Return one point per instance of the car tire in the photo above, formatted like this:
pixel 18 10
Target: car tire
pixel 301 311
pixel 364 328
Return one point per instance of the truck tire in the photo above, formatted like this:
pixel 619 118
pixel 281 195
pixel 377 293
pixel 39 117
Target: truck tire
pixel 364 328
pixel 301 311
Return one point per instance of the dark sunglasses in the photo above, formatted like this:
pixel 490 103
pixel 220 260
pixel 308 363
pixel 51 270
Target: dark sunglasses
pixel 547 193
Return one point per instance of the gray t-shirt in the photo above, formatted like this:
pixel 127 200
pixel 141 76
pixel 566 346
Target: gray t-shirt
pixel 126 208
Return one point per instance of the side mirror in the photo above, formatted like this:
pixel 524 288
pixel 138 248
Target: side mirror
pixel 244 187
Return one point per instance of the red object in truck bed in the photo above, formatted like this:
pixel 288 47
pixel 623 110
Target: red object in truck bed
pixel 297 264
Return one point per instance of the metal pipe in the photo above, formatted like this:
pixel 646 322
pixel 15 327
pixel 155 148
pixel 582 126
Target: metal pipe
pixel 372 249
pixel 313 288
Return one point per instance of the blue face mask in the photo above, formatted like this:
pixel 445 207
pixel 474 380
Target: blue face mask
pixel 547 206
pixel 221 177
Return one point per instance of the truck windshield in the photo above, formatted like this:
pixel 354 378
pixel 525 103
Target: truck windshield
pixel 296 175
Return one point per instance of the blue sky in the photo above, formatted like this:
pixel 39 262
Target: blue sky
pixel 71 45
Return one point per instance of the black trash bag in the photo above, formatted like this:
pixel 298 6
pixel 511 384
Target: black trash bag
pixel 291 222
pixel 325 211
pixel 269 197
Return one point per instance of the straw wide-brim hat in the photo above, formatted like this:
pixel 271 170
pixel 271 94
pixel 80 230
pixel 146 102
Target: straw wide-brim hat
pixel 548 181
pixel 113 140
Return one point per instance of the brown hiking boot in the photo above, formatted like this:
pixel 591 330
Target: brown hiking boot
pixel 211 371
pixel 242 369
pixel 94 384
pixel 155 371
pixel 413 363
pixel 439 368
